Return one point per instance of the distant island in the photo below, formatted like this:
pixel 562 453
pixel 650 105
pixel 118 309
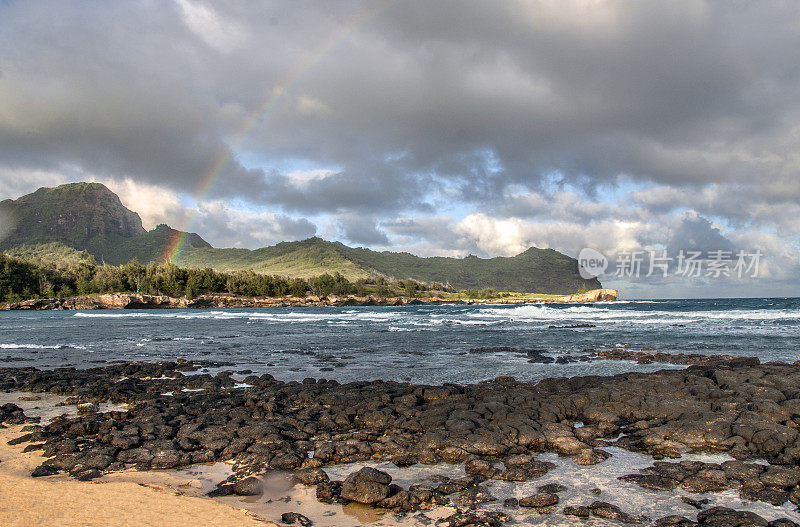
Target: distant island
pixel 78 239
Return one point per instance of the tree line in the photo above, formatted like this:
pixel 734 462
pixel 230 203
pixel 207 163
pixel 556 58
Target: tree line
pixel 24 280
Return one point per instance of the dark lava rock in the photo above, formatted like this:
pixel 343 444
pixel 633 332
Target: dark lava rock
pixel 694 359
pixel 725 517
pixel 697 504
pixel 708 480
pixel 772 496
pixel 516 474
pixel 481 467
pixel 758 482
pixel 97 461
pixel 12 414
pixel 21 439
pixel 404 461
pixel 44 470
pixel 286 461
pixel 651 481
pixel 311 476
pixel 511 503
pixel 417 497
pixel 474 518
pixel 86 474
pixel 780 477
pixel 223 489
pixel 580 511
pixel 794 496
pixel 330 492
pixel 368 485
pixel 719 404
pixel 474 496
pixel 606 510
pixel 539 500
pixel 459 484
pixel 250 486
pixel 739 470
pixel 551 488
pixel 591 457
pixel 520 460
pixel 124 441
pixel 673 521
pixel 291 518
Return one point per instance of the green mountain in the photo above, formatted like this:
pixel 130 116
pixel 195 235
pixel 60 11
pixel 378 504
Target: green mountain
pixel 52 223
pixel 87 217
pixel 535 270
pixel 303 259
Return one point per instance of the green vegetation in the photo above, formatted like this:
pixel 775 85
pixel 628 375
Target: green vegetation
pixel 24 280
pixel 304 259
pixel 79 274
pixel 54 254
pixel 89 217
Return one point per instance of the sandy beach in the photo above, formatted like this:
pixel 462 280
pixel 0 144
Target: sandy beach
pixel 60 500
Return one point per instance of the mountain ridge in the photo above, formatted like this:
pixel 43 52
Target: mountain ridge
pixel 89 217
pixel 86 217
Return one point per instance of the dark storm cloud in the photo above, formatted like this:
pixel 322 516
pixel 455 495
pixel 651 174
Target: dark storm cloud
pixel 696 233
pixel 467 97
pixel 676 93
pixel 362 230
pixel 377 188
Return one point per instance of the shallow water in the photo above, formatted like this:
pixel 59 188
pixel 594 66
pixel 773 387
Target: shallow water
pixel 426 344
pixel 580 480
pixel 48 406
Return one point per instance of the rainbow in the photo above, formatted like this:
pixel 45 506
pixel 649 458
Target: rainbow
pixel 178 239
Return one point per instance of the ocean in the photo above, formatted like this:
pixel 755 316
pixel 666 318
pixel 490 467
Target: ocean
pixel 420 344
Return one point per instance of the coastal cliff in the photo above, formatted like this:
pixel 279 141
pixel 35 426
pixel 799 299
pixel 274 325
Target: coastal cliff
pixel 142 301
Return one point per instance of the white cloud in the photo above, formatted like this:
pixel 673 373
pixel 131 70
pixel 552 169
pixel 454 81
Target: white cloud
pixel 16 182
pixel 218 32
pixel 155 205
pixel 216 221
pixel 303 178
pixel 311 106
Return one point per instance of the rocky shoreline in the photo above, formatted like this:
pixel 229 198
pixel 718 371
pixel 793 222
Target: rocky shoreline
pixel 143 301
pixel 498 430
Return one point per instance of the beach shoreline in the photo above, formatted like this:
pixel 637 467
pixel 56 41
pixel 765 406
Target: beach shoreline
pixel 502 435
pixel 130 499
pixel 144 301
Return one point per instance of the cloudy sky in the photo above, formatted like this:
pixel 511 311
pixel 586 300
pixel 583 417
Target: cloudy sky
pixel 441 128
